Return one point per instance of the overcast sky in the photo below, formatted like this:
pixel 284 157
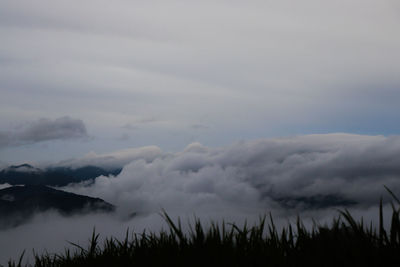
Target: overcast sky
pixel 100 75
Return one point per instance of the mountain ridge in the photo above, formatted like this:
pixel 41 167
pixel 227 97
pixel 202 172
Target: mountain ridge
pixel 26 174
pixel 18 204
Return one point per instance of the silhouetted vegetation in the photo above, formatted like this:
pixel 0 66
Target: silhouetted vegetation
pixel 346 242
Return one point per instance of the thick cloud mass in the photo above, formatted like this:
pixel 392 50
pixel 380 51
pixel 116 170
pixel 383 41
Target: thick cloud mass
pixel 306 175
pixel 45 130
pixel 251 177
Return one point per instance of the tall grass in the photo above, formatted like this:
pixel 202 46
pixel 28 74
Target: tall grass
pixel 346 242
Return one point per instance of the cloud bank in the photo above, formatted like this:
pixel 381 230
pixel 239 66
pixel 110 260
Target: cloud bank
pixel 251 177
pixel 63 128
pixel 284 176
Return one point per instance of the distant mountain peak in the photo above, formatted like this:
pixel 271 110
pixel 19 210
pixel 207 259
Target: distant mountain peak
pixel 22 168
pixel 25 165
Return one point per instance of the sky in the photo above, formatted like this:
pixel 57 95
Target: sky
pixel 101 76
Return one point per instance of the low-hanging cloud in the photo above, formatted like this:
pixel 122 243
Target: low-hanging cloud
pixel 112 160
pixel 309 176
pixel 305 172
pixel 45 130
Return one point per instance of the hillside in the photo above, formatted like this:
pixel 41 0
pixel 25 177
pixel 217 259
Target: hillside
pixel 19 203
pixel 26 174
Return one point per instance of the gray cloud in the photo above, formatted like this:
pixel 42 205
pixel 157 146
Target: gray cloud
pixel 44 130
pixel 253 176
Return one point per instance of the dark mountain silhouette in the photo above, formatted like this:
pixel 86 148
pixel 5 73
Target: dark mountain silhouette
pixel 22 167
pixel 19 203
pixel 26 174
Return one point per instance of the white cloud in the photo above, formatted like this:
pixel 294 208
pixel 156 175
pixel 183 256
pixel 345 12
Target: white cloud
pixel 250 177
pixel 236 182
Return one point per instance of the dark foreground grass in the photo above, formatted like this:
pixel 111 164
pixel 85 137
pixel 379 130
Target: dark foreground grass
pixel 346 242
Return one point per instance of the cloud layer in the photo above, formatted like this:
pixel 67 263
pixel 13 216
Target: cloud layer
pixel 251 177
pixel 63 128
pixel 308 175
